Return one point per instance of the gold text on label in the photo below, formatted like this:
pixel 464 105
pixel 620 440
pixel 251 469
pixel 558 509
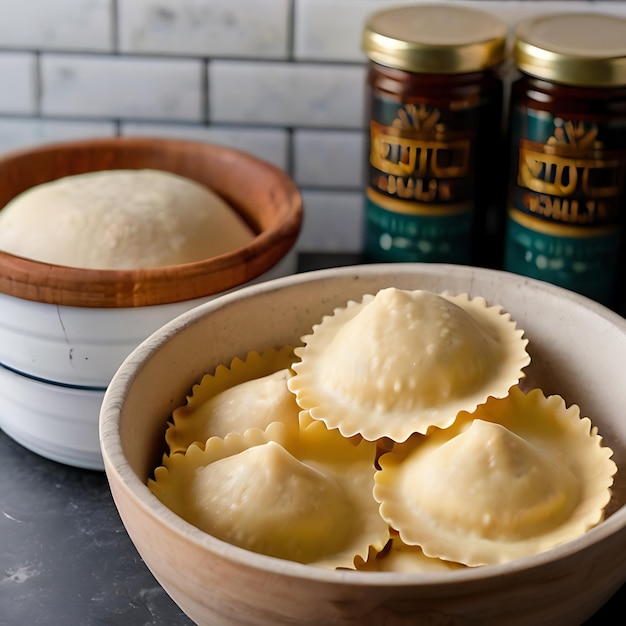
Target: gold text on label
pixel 415 153
pixel 414 188
pixel 544 170
pixel 570 210
pixel 418 165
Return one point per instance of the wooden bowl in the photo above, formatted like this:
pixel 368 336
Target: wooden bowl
pixel 578 350
pixel 264 195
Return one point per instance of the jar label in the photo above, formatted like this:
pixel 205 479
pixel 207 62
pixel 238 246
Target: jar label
pixel 419 197
pixel 564 214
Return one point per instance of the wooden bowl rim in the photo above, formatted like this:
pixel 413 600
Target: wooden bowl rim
pixel 81 287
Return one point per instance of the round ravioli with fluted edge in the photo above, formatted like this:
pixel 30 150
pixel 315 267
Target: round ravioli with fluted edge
pixel 518 476
pixel 250 393
pixel 309 502
pixel 401 362
pixel 396 556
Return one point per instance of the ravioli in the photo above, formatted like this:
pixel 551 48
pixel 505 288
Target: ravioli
pixel 395 438
pixel 401 362
pixel 302 508
pixel 519 475
pixel 249 394
pixel 398 557
pixel 310 502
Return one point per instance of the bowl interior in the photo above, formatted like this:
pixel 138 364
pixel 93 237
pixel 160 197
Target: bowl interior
pixel 264 196
pixel 578 350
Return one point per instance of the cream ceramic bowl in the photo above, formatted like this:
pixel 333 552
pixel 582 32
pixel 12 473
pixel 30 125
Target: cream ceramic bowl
pixel 71 328
pixel 578 350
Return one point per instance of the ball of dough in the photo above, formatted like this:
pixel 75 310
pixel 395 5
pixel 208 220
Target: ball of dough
pixel 121 219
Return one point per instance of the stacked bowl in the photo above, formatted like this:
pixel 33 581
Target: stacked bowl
pixel 65 330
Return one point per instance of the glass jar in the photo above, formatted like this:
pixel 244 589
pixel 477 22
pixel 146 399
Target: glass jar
pixel 567 190
pixel 434 113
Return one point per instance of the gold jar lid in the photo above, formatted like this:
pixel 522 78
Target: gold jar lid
pixel 435 39
pixel 580 49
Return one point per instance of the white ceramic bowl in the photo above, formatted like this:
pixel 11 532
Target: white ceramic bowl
pixel 54 421
pixel 578 350
pixel 84 346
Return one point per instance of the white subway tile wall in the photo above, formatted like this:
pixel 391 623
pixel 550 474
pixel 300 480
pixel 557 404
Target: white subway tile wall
pixel 69 25
pixel 328 157
pixel 104 86
pixel 19 132
pixel 18 70
pixel 270 144
pixel 286 94
pixel 220 28
pixel 281 79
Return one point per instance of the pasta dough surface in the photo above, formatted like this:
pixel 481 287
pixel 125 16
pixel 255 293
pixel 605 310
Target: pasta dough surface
pixel 121 219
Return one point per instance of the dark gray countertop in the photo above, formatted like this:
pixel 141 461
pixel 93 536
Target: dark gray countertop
pixel 65 557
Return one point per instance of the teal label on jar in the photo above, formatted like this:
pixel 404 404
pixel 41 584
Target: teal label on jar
pixel 563 223
pixel 419 195
pixel 585 265
pixel 402 237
